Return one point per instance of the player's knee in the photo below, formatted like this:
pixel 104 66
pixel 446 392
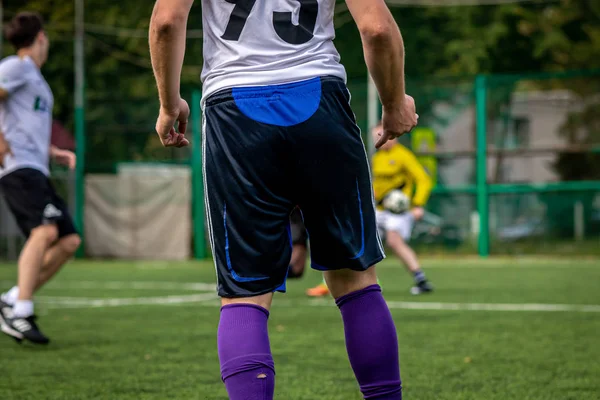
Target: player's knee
pixel 70 243
pixel 345 281
pixel 393 239
pixel 263 300
pixel 46 234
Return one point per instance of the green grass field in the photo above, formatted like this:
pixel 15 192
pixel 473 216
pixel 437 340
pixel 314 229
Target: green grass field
pixel 500 329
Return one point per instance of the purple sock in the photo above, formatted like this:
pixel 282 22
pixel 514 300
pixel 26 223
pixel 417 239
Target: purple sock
pixel 247 366
pixel 372 343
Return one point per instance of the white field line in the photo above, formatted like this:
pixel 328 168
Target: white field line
pixel 408 305
pixel 210 299
pixel 133 285
pixel 81 302
pixel 205 299
pixel 505 264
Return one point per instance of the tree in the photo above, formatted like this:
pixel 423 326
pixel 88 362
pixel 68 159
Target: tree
pixel 439 42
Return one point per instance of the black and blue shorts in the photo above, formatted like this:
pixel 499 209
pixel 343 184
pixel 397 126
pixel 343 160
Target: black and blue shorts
pixel 267 149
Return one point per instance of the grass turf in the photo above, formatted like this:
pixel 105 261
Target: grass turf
pixel 148 351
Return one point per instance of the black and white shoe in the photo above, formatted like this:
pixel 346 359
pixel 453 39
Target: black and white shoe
pixel 422 287
pixel 24 329
pixel 6 312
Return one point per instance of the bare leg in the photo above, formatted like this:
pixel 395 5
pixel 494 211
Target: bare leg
pixel 264 301
pixel 56 257
pixel 298 261
pixel 403 251
pixel 409 258
pixel 345 281
pixel 32 257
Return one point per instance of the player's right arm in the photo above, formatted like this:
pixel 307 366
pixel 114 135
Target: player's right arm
pixel 167 49
pixel 384 54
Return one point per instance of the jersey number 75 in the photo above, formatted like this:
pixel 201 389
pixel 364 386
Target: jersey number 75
pixel 282 21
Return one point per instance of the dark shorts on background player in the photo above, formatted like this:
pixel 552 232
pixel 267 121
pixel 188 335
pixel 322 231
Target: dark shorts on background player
pixel 268 149
pixel 33 202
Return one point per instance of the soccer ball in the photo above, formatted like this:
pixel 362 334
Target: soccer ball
pixel 396 202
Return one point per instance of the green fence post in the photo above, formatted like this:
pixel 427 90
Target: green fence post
pixel 80 175
pixel 482 185
pixel 79 124
pixel 197 179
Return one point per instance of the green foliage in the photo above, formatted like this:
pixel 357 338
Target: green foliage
pixel 582 128
pixel 439 41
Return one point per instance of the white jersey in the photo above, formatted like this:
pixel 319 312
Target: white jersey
pixel 26 115
pixel 267 42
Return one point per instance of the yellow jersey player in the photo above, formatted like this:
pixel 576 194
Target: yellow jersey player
pixel 395 168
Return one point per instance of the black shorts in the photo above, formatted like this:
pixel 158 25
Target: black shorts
pixel 268 149
pixel 33 202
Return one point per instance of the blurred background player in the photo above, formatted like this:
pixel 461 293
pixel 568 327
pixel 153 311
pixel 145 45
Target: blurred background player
pixel 299 245
pixel 394 167
pixel 26 103
pixel 276 110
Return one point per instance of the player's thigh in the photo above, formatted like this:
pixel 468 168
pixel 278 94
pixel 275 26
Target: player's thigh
pixel 247 201
pixel 381 217
pixel 29 196
pixel 336 199
pixel 402 224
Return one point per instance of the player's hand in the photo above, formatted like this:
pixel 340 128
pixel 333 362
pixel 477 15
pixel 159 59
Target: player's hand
pixel 65 157
pixel 398 121
pixel 4 150
pixel 418 213
pixel 165 125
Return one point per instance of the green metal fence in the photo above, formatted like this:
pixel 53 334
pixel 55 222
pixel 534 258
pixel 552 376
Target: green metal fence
pixel 515 158
pixel 533 141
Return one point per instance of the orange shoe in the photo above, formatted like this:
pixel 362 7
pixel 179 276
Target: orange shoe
pixel 318 291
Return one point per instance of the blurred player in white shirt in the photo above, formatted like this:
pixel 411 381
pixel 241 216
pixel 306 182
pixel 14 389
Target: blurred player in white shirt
pixel 26 103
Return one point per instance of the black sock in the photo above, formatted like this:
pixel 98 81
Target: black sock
pixel 419 276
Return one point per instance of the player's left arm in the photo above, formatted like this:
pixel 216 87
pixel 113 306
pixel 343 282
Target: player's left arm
pixel 63 157
pixel 167 49
pixel 423 181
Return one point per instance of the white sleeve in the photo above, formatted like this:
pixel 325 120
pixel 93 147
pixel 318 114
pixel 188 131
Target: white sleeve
pixel 12 76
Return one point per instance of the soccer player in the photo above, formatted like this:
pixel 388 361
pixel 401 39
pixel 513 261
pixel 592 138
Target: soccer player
pixel 279 132
pixel 396 167
pixel 25 124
